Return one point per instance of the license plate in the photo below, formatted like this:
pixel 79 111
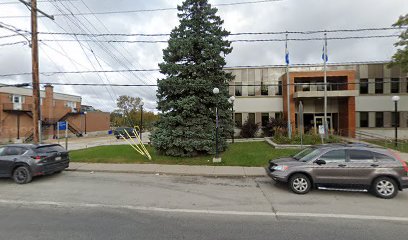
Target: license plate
pixel 57 158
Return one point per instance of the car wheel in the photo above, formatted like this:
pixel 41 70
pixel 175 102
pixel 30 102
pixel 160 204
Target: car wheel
pixel 22 175
pixel 58 172
pixel 300 184
pixel 385 187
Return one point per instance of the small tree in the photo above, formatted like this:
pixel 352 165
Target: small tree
pixel 249 129
pixel 273 125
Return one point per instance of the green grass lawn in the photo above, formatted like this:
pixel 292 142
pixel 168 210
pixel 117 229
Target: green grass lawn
pixel 402 146
pixel 238 154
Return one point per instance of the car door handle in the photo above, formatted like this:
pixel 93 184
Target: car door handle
pixel 374 165
pixel 342 165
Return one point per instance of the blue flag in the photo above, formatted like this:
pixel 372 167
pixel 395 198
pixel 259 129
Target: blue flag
pixel 286 54
pixel 323 55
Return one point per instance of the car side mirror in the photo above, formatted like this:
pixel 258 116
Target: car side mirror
pixel 320 162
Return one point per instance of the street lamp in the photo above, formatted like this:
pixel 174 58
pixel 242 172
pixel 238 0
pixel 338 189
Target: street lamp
pixel 85 120
pixel 141 120
pixel 231 100
pixel 395 99
pixel 216 159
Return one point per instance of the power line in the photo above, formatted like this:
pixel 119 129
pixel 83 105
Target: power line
pixel 225 68
pixel 43 1
pixel 232 34
pixel 151 10
pixel 234 40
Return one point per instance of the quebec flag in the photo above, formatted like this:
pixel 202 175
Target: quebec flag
pixel 325 58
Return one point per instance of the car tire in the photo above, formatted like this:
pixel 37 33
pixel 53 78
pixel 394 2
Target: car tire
pixel 300 184
pixel 384 187
pixel 22 175
pixel 57 172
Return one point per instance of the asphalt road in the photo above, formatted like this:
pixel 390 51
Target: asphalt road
pixel 75 205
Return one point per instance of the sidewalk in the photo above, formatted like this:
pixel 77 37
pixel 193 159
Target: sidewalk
pixel 184 170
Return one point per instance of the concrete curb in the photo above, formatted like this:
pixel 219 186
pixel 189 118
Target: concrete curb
pixel 175 170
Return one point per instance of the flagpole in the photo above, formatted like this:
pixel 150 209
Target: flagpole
pixel 325 85
pixel 287 86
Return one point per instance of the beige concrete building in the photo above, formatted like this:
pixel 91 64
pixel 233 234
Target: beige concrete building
pixel 16 123
pixel 359 97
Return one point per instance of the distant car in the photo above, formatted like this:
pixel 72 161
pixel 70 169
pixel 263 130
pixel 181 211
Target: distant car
pixel 24 161
pixel 342 166
pixel 120 131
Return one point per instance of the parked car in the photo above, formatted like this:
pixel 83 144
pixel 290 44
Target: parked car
pixel 120 131
pixel 342 166
pixel 24 161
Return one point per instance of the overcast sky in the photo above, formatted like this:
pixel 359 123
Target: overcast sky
pixel 285 15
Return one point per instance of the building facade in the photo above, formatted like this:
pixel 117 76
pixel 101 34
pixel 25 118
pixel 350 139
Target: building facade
pixel 359 97
pixel 16 123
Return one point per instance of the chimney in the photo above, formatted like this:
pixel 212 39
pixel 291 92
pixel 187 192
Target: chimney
pixel 48 102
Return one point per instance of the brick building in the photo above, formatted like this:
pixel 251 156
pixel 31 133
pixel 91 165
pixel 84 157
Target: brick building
pixel 16 123
pixel 359 97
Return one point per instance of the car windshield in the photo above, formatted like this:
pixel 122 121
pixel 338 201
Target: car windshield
pixel 306 154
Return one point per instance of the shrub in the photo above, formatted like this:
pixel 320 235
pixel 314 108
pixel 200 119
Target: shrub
pixel 275 125
pixel 249 129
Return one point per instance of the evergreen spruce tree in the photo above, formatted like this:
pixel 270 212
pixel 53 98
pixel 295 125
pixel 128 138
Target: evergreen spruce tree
pixel 193 66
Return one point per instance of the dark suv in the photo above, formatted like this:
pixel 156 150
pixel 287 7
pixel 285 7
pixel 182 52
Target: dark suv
pixel 340 166
pixel 121 131
pixel 23 161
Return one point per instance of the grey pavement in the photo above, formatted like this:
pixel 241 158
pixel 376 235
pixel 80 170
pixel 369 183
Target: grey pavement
pixel 85 205
pixel 184 170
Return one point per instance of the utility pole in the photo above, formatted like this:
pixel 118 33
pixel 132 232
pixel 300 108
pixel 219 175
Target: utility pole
pixel 36 110
pixel 287 88
pixel 325 86
pixel 35 73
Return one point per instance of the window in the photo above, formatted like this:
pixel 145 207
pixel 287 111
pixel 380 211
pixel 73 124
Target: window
pixel 238 119
pixel 279 88
pixel 12 151
pixel 238 89
pixel 363 119
pixel 393 119
pixel 279 115
pixel 383 157
pixel 264 89
pixel 334 156
pixel 360 156
pixel 70 104
pixel 395 85
pixel 265 119
pixel 379 85
pixel 363 86
pixel 251 118
pixel 16 99
pixel 379 119
pixel 251 89
pixel 2 151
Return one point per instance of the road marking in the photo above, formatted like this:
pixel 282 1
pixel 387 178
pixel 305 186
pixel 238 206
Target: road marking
pixel 202 211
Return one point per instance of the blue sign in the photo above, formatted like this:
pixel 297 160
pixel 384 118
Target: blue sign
pixel 62 126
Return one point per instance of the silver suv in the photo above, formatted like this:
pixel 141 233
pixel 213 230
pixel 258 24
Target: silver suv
pixel 342 166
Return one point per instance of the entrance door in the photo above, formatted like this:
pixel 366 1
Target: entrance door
pixel 17 102
pixel 318 120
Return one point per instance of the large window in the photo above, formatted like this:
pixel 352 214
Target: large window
pixel 363 86
pixel 395 85
pixel 363 119
pixel 279 88
pixel 265 119
pixel 238 89
pixel 393 119
pixel 264 89
pixel 251 118
pixel 379 119
pixel 379 85
pixel 238 119
pixel 251 89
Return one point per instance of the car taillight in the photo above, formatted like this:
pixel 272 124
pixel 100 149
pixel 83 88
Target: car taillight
pixel 404 164
pixel 37 158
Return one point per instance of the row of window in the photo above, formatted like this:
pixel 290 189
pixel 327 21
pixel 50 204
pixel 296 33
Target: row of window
pixel 379 119
pixel 251 89
pixel 20 99
pixel 251 118
pixel 379 86
pixel 354 156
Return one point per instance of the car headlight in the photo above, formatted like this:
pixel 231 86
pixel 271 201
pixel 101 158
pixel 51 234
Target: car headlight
pixel 280 168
